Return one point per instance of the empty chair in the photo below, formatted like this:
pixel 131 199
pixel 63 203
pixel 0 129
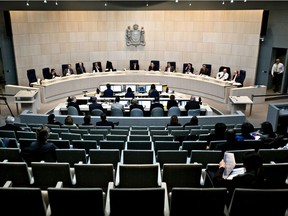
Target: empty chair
pixel 70 136
pixel 116 112
pixel 7 134
pixel 205 156
pixel 119 131
pixel 76 201
pixel 163 138
pixel 17 172
pixel 21 201
pixel 46 73
pixel 174 111
pixel 158 132
pixel 54 136
pixel 87 127
pixel 171 156
pixel 71 156
pixel 139 138
pixel 131 65
pixel 170 128
pixel 48 174
pixel 138 157
pixel 94 175
pixel 214 143
pixel 181 175
pixel 193 145
pixel 31 75
pixel 206 201
pixel 137 201
pixel 264 202
pixel 61 144
pixel 26 134
pixel 59 130
pixel 87 145
pixel 275 155
pixel 140 145
pixel 96 112
pixel 102 127
pixel 166 145
pixel 157 128
pixel 199 131
pixel 139 127
pixel 95 137
pixel 193 112
pixel 276 175
pixel 112 144
pixel 122 127
pixel 103 131
pixel 79 131
pixel 138 175
pixel 71 110
pixel 105 156
pixel 25 142
pixel 139 132
pixel 117 137
pixel 136 112
pixel 190 127
pixel 157 111
pixel 10 154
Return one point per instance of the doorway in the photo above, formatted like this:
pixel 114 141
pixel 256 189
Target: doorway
pixel 2 73
pixel 279 53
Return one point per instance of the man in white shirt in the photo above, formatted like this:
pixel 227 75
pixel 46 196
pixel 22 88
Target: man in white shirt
pixel 277 74
pixel 222 75
pixel 117 104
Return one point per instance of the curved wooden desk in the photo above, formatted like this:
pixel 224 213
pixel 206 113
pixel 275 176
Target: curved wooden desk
pixel 207 87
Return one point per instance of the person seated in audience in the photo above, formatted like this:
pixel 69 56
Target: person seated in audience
pixel 40 150
pixel 72 102
pixel 174 121
pixel 153 67
pixel 117 104
pixel 129 93
pixel 54 73
pixel 96 67
pixel 153 91
pixel 204 70
pixel 246 132
pixel 188 69
pixel 222 75
pixel 231 142
pixel 219 132
pixel 253 176
pixel 69 121
pixel 156 103
pixel 108 92
pixel 68 71
pixel 134 104
pixel 87 120
pixel 104 121
pixel 135 66
pixel 193 121
pixel 9 124
pixel 192 104
pixel 94 104
pixel 80 69
pixel 169 68
pixel 52 120
pixel 172 102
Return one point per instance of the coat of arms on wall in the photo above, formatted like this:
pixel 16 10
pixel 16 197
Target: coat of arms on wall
pixel 135 36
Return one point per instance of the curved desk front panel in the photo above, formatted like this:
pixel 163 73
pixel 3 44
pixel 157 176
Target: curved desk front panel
pixel 207 87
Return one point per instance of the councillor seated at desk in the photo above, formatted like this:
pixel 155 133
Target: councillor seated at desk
pixel 72 102
pixel 169 68
pixel 222 75
pixel 236 78
pixel 188 69
pixel 129 93
pixel 80 69
pixel 135 66
pixel 204 70
pixel 108 92
pixel 172 102
pixel 117 104
pixel 153 91
pixel 96 67
pixel 94 104
pixel 156 103
pixel 104 121
pixel 192 104
pixel 134 104
pixel 153 67
pixel 68 71
pixel 54 73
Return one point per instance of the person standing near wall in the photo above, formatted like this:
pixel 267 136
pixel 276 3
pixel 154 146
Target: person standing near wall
pixel 277 74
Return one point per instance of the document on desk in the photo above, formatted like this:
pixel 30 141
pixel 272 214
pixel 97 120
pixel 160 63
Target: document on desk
pixel 229 160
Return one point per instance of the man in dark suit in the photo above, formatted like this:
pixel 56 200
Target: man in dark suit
pixel 108 92
pixel 9 120
pixel 192 104
pixel 73 102
pixel 104 121
pixel 97 67
pixel 156 103
pixel 135 66
pixel 95 105
pixel 134 104
pixel 80 69
pixel 68 71
pixel 153 67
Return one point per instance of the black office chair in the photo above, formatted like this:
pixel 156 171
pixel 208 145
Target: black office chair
pixel 94 68
pixel 31 74
pixel 132 63
pixel 64 66
pixel 109 66
pixel 228 71
pixel 46 73
pixel 156 63
pixel 242 77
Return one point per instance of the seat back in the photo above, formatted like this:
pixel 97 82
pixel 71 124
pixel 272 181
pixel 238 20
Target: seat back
pixel 132 63
pixel 264 202
pixel 112 144
pixel 10 154
pixel 166 145
pixel 76 201
pixel 138 175
pixel 205 156
pixel 174 111
pixel 193 145
pixel 173 64
pixel 193 112
pixel 209 67
pixel 31 75
pixel 156 63
pixel 157 111
pixel 181 175
pixel 275 155
pixel 7 134
pixel 96 112
pixel 61 144
pixel 87 145
pixel 206 201
pixel 105 156
pixel 116 112
pixel 136 112
pixel 70 136
pixel 138 157
pixel 71 156
pixel 71 110
pixel 171 156
pixel 22 201
pixel 46 73
pixel 242 76
pixel 276 175
pixel 140 145
pixel 64 66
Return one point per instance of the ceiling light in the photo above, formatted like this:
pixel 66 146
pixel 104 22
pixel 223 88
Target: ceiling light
pixel 27 3
pixel 223 2
pixel 190 4
pixel 45 1
pixel 56 2
pixel 232 1
pixel 176 1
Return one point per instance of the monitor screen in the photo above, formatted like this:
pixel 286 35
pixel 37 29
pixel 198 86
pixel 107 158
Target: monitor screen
pixel 145 103
pixel 133 87
pixel 159 88
pixel 147 88
pixel 102 88
pixel 116 88
pixel 81 101
pixel 124 102
pixel 141 89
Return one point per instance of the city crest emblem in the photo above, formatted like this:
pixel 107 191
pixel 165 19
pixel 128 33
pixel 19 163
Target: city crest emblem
pixel 135 36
